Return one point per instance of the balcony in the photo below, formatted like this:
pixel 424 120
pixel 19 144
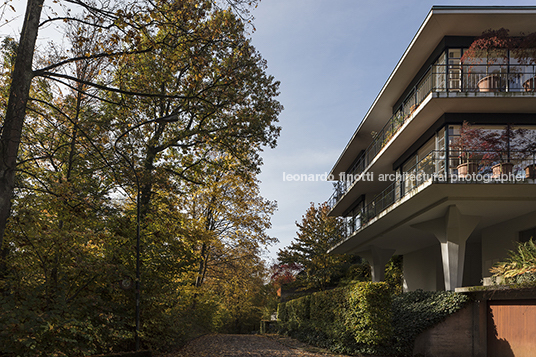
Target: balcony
pixel 474 167
pixel 441 79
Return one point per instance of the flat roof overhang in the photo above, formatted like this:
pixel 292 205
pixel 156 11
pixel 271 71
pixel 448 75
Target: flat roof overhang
pixel 431 109
pixel 392 229
pixel 441 21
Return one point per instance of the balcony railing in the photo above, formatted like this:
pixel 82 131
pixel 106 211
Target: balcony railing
pixel 482 167
pixel 441 78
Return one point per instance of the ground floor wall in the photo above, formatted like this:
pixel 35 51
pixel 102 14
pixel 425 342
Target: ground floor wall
pixel 423 269
pixel 498 323
pixel 452 337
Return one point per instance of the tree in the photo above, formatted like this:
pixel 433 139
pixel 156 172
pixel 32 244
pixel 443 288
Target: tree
pixel 227 225
pixel 281 274
pixel 236 280
pixel 317 233
pixel 130 29
pixel 61 266
pixel 230 216
pixel 214 97
pixel 16 107
pixel 178 90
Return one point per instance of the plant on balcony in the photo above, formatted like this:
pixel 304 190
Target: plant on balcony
pixel 494 46
pixel 467 147
pixel 493 147
pixel 496 145
pixel 490 46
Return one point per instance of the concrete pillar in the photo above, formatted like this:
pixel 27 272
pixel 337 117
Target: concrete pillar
pixel 452 231
pixel 378 258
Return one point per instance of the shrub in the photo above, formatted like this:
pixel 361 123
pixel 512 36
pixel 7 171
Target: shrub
pixel 369 316
pixel 33 326
pixel 295 313
pixel 365 319
pixel 416 311
pixel 520 266
pixel 394 274
pixel 344 319
pixel 328 311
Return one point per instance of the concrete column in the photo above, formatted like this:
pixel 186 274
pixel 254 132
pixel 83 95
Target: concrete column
pixel 378 258
pixel 452 231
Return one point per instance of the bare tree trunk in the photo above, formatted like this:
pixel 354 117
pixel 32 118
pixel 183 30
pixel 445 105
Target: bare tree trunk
pixel 16 109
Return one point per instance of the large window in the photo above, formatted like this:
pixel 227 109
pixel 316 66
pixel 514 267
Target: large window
pixel 484 149
pixel 491 150
pixel 355 217
pixel 426 162
pixel 494 70
pixel 454 69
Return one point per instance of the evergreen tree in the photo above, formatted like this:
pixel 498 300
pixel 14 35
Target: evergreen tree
pixel 317 234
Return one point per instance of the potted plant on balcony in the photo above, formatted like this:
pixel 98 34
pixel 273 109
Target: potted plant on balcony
pixel 467 148
pixel 526 55
pixel 488 147
pixel 495 46
pixel 489 48
pixel 496 144
pixel 530 171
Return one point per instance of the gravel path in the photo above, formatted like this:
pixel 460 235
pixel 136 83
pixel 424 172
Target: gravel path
pixel 248 345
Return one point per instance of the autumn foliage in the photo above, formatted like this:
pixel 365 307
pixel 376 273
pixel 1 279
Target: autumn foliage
pixel 146 121
pixel 493 45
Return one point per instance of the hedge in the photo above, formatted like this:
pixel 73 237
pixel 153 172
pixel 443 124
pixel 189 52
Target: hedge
pixel 340 319
pixel 365 318
pixel 370 315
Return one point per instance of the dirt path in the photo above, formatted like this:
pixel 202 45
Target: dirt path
pixel 248 345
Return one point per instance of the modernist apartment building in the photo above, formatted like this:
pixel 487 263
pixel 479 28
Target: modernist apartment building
pixel 441 168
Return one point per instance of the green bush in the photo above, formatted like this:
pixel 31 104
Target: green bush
pixel 328 311
pixel 365 319
pixel 282 313
pixel 520 266
pixel 329 318
pixel 369 316
pixel 295 314
pixel 394 274
pixel 33 326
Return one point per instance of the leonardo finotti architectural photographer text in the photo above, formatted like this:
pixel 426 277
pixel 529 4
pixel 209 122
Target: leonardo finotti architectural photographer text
pixel 406 177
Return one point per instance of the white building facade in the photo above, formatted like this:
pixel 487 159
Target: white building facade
pixel 441 169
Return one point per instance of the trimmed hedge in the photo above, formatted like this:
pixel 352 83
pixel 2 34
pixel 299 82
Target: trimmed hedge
pixel 365 318
pixel 346 319
pixel 370 315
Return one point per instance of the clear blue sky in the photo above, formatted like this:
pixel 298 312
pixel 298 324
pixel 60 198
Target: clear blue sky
pixel 332 58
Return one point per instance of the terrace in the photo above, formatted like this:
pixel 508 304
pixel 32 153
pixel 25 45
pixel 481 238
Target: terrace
pixel 454 78
pixel 446 167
